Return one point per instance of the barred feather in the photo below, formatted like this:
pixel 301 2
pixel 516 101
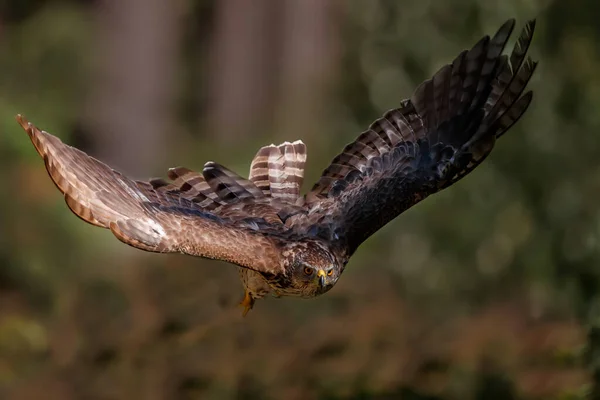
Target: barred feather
pixel 259 169
pixel 192 186
pixel 279 170
pixel 229 186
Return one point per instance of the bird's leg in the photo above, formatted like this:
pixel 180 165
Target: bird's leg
pixel 247 303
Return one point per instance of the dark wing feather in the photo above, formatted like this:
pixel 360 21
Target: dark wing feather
pixel 439 135
pixel 189 185
pixel 160 216
pixel 229 186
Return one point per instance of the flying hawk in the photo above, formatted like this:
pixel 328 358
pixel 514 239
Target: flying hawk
pixel 288 244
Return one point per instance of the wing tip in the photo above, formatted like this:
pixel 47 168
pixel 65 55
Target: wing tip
pixel 511 22
pixel 529 29
pixel 40 139
pixel 25 124
pixel 506 28
pixel 21 119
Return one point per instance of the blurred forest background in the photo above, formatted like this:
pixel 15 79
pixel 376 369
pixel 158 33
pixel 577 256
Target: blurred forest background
pixel 488 290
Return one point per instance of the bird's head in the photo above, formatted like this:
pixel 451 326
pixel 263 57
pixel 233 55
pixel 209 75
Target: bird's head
pixel 311 268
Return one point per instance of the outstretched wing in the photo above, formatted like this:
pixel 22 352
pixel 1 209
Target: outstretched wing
pixel 191 215
pixel 435 138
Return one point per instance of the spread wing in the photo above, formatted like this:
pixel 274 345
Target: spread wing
pixel 435 138
pixel 216 214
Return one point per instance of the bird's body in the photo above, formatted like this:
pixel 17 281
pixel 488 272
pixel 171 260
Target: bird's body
pixel 288 244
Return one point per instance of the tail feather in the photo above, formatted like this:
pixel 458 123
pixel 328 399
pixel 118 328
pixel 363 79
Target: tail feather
pixel 259 169
pixel 278 171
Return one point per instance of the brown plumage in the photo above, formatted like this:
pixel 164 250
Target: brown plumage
pixel 288 244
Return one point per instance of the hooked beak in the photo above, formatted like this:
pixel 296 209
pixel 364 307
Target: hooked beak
pixel 321 274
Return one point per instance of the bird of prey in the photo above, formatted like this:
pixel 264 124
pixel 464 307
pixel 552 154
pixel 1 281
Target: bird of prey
pixel 288 244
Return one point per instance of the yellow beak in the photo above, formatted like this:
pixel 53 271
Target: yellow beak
pixel 321 274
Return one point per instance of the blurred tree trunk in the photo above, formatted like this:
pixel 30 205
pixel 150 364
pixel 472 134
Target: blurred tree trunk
pixel 242 65
pixel 129 113
pixel 267 46
pixel 129 109
pixel 309 57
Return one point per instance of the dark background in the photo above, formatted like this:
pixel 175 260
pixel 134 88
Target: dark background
pixel 488 290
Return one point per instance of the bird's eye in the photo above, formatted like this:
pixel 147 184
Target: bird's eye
pixel 330 272
pixel 308 271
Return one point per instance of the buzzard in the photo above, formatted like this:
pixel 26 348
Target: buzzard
pixel 288 244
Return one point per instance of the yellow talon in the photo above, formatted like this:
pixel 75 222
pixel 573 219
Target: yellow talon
pixel 247 303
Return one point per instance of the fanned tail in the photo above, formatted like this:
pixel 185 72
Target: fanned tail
pixel 278 171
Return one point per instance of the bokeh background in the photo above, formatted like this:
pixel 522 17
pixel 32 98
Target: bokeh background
pixel 488 290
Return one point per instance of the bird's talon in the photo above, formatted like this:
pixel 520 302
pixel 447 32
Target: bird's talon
pixel 247 303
